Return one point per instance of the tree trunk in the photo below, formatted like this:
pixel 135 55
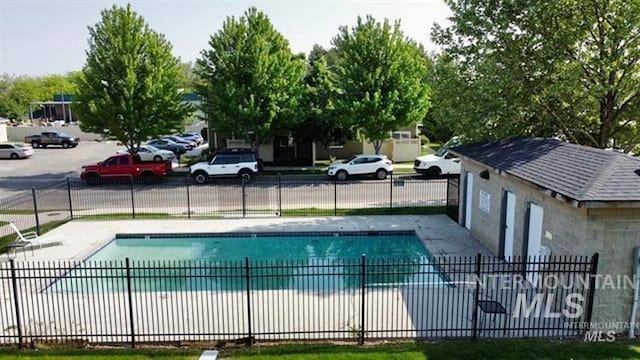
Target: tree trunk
pixel 377 145
pixel 607 111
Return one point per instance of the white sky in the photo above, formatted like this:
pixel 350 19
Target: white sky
pixel 40 37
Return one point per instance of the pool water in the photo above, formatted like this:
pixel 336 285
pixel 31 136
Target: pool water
pixel 316 261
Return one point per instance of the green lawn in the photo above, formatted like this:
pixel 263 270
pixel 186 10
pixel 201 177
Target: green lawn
pixel 5 240
pixel 485 349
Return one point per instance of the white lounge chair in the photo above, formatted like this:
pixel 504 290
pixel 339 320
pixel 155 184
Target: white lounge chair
pixel 33 240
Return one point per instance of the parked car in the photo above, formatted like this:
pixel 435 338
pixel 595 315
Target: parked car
pixel 378 165
pixel 195 137
pixel 125 165
pixel 198 154
pixel 189 144
pixel 227 163
pixel 440 163
pixel 151 153
pixel 166 144
pixel 15 151
pixel 52 138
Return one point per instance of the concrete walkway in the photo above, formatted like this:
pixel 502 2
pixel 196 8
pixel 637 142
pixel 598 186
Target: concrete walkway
pixel 441 235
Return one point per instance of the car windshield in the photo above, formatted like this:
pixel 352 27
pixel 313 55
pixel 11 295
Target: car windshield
pixel 151 148
pixel 454 141
pixel 349 160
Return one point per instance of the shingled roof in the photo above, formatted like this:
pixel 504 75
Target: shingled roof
pixel 579 172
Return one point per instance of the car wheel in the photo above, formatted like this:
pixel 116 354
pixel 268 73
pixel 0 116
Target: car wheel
pixel 200 177
pixel 14 156
pixel 157 158
pixel 34 144
pixel 381 174
pixel 93 179
pixel 245 175
pixel 148 177
pixel 65 145
pixel 341 175
pixel 434 171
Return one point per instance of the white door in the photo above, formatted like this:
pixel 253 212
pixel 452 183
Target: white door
pixel 468 200
pixel 509 223
pixel 536 214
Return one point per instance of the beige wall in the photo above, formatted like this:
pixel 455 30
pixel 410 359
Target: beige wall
pixel 613 233
pixel 3 132
pixel 266 150
pixel 396 150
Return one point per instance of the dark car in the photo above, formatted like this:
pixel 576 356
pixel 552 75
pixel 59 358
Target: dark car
pixel 167 144
pixel 189 144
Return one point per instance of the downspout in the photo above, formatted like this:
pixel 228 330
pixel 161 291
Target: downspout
pixel 636 291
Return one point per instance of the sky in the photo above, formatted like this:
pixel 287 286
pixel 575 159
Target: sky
pixel 39 37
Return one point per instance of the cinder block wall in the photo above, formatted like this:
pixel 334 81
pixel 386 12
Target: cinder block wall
pixel 613 233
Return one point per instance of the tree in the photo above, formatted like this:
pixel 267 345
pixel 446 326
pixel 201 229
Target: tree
pixel 321 122
pixel 128 90
pixel 567 67
pixel 382 78
pixel 251 81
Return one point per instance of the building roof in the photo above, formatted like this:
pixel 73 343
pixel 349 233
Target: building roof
pixel 579 172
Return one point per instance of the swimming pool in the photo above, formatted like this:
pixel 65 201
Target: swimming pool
pixel 291 260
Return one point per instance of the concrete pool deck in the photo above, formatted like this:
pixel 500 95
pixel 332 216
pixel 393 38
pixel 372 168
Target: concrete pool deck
pixel 441 235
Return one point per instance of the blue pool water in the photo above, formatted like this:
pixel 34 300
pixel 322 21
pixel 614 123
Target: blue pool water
pixel 314 261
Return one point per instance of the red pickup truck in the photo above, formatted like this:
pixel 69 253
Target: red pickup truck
pixel 125 166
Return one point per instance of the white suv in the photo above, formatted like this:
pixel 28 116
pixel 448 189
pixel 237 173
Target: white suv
pixel 226 163
pixel 377 165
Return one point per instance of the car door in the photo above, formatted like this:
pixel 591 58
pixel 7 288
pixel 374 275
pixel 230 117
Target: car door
pixel 231 164
pixel 373 164
pixel 109 166
pixel 358 166
pixel 451 164
pixel 5 151
pixel 123 168
pixel 145 154
pixel 217 166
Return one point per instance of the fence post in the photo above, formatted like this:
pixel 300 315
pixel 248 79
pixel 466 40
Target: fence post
pixel 188 199
pixel 69 195
pixel 35 210
pixel 14 283
pixel 592 288
pixel 279 194
pixel 362 299
pixel 131 328
pixel 133 204
pixel 335 196
pixel 391 193
pixel 244 198
pixel 248 280
pixel 476 296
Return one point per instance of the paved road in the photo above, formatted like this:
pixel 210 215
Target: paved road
pixel 50 165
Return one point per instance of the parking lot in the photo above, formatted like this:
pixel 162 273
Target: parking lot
pixel 51 165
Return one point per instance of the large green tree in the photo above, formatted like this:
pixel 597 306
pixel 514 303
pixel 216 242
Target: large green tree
pixel 382 78
pixel 566 67
pixel 321 122
pixel 17 93
pixel 251 82
pixel 128 90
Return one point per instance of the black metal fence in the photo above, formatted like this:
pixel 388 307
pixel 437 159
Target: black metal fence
pixel 356 300
pixel 264 196
pixel 453 198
